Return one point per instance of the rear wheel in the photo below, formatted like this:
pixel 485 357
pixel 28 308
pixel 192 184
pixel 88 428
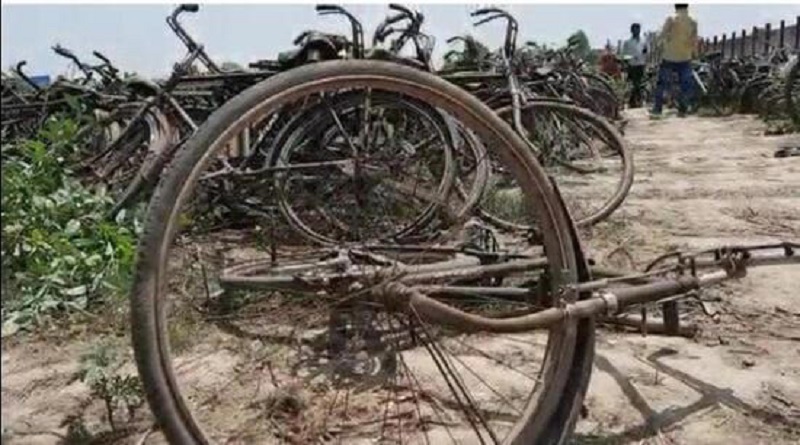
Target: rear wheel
pixel 584 154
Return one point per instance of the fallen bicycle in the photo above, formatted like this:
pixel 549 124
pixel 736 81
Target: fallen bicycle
pixel 462 341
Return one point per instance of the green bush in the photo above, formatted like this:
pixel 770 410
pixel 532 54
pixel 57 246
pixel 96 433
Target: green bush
pixel 60 253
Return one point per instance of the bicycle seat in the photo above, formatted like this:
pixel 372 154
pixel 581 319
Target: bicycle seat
pixel 313 46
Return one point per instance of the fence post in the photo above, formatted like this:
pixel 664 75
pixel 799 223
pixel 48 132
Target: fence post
pixel 797 33
pixel 743 49
pixel 716 44
pixel 724 40
pixel 733 45
pixel 767 37
pixel 781 37
pixel 754 42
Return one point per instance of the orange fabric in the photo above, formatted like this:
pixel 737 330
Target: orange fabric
pixel 609 64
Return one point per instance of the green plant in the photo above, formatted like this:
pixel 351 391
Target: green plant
pixel 59 251
pixel 100 370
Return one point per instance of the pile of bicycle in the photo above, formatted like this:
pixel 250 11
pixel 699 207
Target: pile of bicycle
pixel 353 322
pixel 762 84
pixel 131 128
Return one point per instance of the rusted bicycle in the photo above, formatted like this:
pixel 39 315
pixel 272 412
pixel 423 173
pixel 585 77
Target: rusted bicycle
pixel 464 342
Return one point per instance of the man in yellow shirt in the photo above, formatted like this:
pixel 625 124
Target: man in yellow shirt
pixel 679 40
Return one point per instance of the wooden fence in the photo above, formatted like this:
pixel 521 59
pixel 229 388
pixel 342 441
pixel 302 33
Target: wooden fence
pixel 751 42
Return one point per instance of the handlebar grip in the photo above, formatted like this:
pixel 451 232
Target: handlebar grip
pixel 400 8
pixel 189 7
pixel 327 7
pixel 60 50
pixel 100 56
pixel 484 11
pixel 300 38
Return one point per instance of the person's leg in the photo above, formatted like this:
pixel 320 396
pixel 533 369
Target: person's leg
pixel 687 86
pixel 636 75
pixel 664 71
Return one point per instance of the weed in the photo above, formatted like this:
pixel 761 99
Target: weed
pixel 59 250
pixel 100 370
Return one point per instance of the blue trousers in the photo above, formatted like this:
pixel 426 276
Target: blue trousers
pixel 665 71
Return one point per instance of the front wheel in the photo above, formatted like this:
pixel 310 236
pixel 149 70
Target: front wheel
pixel 345 363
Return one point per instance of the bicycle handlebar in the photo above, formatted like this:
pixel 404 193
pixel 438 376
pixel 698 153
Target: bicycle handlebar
pixel 100 56
pixel 510 44
pixel 61 51
pixel 356 29
pixel 455 39
pixel 23 76
pixel 401 8
pixel 184 36
pixel 300 38
pixel 187 7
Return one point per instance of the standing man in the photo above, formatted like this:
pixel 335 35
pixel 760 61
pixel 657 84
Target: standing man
pixel 679 39
pixel 634 51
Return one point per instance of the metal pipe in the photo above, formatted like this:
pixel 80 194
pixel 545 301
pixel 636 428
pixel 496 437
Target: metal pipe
pixel 398 296
pixel 651 325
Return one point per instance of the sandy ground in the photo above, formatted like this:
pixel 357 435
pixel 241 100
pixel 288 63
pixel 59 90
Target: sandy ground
pixel 699 183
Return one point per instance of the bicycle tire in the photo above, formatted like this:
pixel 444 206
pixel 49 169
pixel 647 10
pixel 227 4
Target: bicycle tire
pixel 309 120
pixel 612 135
pixel 570 345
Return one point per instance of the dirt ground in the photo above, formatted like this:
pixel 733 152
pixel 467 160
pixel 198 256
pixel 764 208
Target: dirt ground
pixel 700 182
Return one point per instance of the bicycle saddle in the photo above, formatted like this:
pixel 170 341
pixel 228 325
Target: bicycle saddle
pixel 314 46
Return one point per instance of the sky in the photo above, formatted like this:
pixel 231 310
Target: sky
pixel 137 39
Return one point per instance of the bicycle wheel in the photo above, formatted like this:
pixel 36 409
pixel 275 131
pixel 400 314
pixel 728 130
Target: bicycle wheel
pixel 393 154
pixel 346 363
pixel 586 156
